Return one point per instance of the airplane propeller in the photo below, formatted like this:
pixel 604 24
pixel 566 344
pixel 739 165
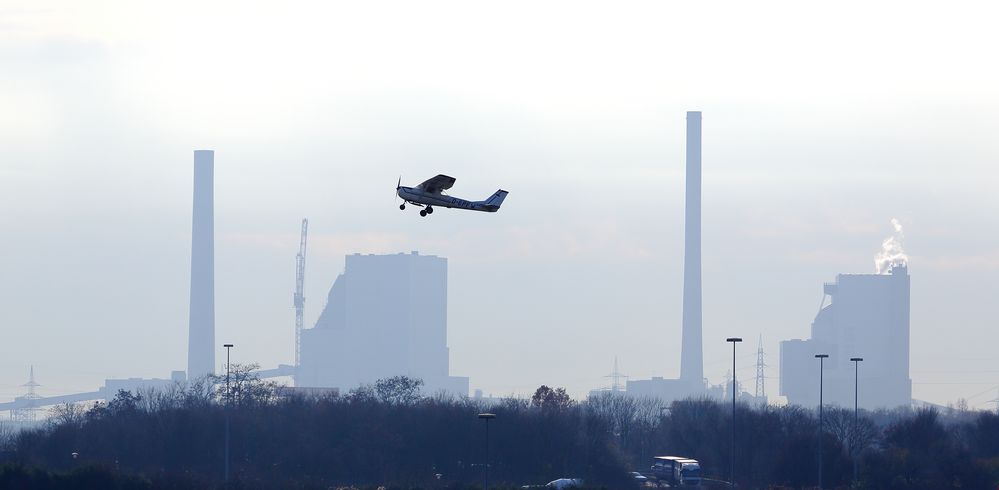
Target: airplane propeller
pixel 398 185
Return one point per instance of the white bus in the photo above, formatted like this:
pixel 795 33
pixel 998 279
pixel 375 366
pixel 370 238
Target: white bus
pixel 677 471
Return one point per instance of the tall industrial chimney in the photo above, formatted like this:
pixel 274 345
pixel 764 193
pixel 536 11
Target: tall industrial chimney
pixel 201 333
pixel 691 357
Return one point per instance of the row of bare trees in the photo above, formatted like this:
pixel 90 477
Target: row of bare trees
pixel 777 446
pixel 390 433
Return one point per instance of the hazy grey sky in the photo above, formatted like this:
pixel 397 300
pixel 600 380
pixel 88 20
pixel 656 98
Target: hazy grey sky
pixel 821 123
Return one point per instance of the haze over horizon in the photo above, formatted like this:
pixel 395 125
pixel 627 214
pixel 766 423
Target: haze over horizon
pixel 820 128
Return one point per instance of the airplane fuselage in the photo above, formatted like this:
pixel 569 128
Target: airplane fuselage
pixel 416 196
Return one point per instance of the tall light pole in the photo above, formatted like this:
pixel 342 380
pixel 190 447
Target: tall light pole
pixel 821 358
pixel 228 397
pixel 731 474
pixel 856 411
pixel 487 417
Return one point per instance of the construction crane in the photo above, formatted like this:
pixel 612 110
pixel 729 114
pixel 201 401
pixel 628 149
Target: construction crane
pixel 299 299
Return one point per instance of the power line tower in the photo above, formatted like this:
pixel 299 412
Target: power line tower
pixel 615 377
pixel 761 375
pixel 30 412
pixel 299 299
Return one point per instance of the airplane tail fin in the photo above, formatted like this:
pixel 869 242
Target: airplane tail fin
pixel 495 200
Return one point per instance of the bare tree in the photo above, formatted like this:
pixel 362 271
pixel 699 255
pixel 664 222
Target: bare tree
pixel 854 435
pixel 398 390
pixel 619 410
pixel 68 414
pixel 551 400
pixel 245 386
pixel 6 437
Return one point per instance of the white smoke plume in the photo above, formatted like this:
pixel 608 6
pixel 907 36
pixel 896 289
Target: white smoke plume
pixel 891 253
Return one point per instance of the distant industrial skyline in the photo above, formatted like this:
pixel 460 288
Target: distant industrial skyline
pixel 814 141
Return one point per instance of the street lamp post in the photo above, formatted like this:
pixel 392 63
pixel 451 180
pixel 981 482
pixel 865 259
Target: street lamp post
pixel 227 400
pixel 487 417
pixel 821 358
pixel 856 412
pixel 731 474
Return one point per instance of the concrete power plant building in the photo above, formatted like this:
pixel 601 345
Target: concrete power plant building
pixel 201 327
pixel 691 381
pixel 386 315
pixel 868 317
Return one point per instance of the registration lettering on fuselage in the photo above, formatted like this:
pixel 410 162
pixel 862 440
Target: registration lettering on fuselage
pixel 461 203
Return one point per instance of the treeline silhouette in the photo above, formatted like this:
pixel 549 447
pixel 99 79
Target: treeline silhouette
pixel 777 446
pixel 388 434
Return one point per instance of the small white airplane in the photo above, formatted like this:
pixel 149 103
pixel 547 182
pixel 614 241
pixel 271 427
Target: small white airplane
pixel 430 194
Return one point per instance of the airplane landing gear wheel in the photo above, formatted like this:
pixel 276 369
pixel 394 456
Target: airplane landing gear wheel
pixel 402 207
pixel 423 212
pixel 430 210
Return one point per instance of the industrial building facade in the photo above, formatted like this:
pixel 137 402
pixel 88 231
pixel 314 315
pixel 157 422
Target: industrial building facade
pixel 868 317
pixel 386 315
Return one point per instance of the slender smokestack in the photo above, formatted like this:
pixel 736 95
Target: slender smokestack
pixel 201 335
pixel 691 357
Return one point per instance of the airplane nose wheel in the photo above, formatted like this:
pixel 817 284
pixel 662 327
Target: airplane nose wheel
pixel 402 207
pixel 430 210
pixel 423 212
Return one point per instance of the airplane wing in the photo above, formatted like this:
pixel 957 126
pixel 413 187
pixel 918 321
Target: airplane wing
pixel 437 184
